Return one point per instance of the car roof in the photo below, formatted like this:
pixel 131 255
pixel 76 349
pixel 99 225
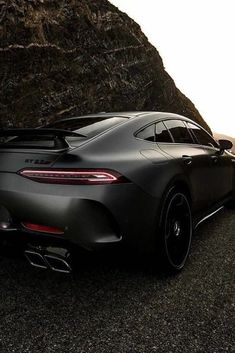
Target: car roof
pixel 124 114
pixel 128 114
pixel 131 115
pixel 143 114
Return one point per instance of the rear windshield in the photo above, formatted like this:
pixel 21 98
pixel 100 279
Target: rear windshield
pixel 88 126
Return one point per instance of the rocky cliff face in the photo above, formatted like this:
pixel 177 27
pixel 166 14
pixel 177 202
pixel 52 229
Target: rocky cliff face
pixel 61 58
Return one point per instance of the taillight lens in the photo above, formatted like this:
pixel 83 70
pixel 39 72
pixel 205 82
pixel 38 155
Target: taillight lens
pixel 74 176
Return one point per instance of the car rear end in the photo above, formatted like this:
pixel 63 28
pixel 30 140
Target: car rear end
pixel 43 204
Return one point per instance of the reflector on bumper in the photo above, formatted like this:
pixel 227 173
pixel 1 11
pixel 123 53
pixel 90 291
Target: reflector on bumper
pixel 42 228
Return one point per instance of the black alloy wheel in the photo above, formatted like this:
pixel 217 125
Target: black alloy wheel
pixel 176 231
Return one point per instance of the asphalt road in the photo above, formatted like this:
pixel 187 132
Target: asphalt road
pixel 120 307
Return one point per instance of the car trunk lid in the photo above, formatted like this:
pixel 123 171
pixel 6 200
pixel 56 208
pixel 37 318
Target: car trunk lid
pixel 13 161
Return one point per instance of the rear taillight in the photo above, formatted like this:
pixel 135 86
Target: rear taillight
pixel 74 176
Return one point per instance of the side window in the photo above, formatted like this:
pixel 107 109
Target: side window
pixel 147 133
pixel 162 134
pixel 201 136
pixel 179 131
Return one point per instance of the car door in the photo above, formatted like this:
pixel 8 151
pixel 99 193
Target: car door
pixel 191 157
pixel 220 164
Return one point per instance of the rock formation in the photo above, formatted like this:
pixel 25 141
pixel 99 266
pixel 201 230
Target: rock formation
pixel 62 58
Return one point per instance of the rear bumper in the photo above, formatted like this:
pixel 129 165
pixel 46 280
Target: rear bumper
pixel 92 216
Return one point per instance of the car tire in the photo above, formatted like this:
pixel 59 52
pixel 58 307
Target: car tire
pixel 174 240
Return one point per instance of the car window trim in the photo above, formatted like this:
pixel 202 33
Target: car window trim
pixel 197 142
pixel 193 143
pixel 143 128
pixel 178 143
pixel 155 137
pixel 172 139
pixel 190 133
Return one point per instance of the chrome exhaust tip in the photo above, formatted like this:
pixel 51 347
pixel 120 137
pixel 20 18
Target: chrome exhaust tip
pixel 58 259
pixel 35 259
pixel 58 264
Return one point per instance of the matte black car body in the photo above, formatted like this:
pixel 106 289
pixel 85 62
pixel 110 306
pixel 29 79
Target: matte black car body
pixel 129 211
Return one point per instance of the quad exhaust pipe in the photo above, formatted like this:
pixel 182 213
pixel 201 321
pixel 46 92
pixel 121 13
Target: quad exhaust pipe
pixel 56 259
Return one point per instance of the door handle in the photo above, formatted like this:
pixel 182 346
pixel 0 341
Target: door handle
pixel 187 159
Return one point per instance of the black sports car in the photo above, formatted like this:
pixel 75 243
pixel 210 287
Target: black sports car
pixel 141 179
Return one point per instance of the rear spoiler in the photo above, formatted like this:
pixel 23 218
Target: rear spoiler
pixel 39 132
pixel 58 136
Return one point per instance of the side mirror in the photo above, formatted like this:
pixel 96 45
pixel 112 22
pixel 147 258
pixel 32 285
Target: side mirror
pixel 225 145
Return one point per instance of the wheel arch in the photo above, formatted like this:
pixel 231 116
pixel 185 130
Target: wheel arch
pixel 178 183
pixel 182 185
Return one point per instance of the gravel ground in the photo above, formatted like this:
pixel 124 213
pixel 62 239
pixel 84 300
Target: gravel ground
pixel 119 307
